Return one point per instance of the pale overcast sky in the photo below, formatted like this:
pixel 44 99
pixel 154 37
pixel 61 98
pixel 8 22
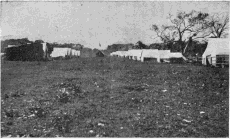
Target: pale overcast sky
pixel 89 23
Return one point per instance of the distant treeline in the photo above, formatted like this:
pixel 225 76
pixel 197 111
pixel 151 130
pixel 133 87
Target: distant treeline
pixel 194 47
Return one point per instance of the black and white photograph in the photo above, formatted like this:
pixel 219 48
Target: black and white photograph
pixel 114 69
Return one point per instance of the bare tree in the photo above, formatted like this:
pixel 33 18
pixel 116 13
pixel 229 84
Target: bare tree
pixel 219 25
pixel 183 26
pixel 165 33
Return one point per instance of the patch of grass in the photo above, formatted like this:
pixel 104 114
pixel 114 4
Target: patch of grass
pixel 113 97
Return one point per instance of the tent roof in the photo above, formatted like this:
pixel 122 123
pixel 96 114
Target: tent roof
pixel 60 52
pixel 150 53
pixel 122 53
pixel 164 53
pixel 176 55
pixel 217 46
pixel 135 52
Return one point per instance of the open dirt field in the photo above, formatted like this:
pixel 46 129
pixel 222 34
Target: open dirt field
pixel 113 97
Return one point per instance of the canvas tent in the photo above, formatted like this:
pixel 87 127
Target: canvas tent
pixel 134 54
pixel 176 57
pixel 216 53
pixel 150 54
pixel 61 52
pixel 164 54
pixel 75 53
pixel 113 53
pixel 127 54
pixel 118 53
pixel 121 53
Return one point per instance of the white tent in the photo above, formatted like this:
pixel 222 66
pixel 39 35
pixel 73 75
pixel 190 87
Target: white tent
pixel 117 53
pixel 112 54
pixel 122 53
pixel 61 52
pixel 150 53
pixel 216 47
pixel 127 54
pixel 75 52
pixel 164 54
pixel 177 55
pixel 135 54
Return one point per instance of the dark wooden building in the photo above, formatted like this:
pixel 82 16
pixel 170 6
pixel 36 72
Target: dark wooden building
pixel 28 52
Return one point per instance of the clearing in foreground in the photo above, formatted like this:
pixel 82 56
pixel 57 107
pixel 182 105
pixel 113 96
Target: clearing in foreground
pixel 113 97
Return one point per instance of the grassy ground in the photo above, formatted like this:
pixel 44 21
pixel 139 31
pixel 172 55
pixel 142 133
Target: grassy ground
pixel 113 97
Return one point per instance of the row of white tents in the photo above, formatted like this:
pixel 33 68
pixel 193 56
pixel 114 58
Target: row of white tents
pixel 216 53
pixel 142 54
pixel 64 52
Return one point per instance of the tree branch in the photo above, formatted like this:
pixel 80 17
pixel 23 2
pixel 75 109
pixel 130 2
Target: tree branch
pixel 222 29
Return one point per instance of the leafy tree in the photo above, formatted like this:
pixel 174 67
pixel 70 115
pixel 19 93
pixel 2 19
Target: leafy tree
pixel 141 45
pixel 77 46
pixel 39 41
pixel 120 47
